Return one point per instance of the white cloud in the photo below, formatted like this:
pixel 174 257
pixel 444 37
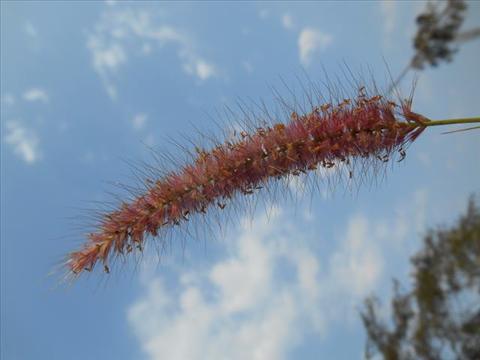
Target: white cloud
pixel 139 121
pixel 36 94
pixel 123 33
pixel 243 279
pixel 244 307
pixel 23 140
pixel 310 42
pixel 205 70
pixel 251 316
pixel 287 21
pixel 200 68
pixel 357 265
pixel 110 57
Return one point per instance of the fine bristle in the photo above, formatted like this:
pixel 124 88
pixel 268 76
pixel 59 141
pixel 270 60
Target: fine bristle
pixel 369 128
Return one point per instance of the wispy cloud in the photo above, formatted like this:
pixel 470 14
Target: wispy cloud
pixel 36 94
pixel 202 69
pixel 106 57
pixel 106 60
pixel 123 32
pixel 311 41
pixel 251 310
pixel 24 141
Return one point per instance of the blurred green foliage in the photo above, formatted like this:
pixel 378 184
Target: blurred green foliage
pixel 439 318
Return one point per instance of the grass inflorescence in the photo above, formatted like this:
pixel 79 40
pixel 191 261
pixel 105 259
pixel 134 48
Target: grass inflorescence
pixel 367 127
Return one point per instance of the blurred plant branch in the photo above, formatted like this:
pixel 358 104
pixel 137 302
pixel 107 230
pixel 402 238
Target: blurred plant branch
pixel 438 36
pixel 440 317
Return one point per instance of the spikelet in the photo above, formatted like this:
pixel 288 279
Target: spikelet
pixel 364 127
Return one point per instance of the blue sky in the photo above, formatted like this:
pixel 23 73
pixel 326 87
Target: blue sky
pixel 88 86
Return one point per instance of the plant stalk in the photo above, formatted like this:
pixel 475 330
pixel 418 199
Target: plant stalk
pixel 473 120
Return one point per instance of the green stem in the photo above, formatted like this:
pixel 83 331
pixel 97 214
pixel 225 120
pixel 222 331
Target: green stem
pixel 452 121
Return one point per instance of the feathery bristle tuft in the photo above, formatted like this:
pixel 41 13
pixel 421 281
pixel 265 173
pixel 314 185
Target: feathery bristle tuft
pixel 362 127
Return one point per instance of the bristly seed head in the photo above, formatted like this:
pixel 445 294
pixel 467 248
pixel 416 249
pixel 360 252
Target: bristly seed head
pixel 362 127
